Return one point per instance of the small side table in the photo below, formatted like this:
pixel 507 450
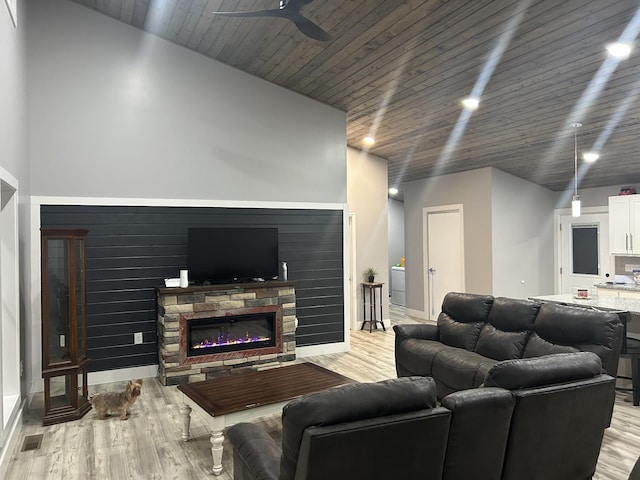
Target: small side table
pixel 373 320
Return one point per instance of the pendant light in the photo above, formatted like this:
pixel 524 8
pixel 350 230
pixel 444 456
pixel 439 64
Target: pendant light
pixel 575 203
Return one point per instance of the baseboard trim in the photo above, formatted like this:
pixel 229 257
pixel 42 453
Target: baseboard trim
pixel 122 374
pixel 417 314
pixel 324 349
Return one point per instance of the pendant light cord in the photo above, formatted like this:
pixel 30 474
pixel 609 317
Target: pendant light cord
pixel 575 126
pixel 575 158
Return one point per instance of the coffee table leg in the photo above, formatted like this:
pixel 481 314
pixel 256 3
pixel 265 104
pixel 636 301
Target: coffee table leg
pixel 185 413
pixel 217 438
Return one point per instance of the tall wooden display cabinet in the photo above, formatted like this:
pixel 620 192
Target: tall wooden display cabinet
pixel 64 325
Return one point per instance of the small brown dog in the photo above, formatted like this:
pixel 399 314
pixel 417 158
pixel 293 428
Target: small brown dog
pixel 107 403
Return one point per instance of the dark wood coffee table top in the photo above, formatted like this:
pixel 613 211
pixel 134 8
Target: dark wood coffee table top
pixel 220 396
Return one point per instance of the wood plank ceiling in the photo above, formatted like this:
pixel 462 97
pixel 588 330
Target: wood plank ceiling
pixel 399 69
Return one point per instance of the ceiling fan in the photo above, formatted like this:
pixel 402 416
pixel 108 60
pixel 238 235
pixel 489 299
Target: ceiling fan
pixel 289 10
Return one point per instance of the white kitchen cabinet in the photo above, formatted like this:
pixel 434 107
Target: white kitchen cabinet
pixel 624 225
pixel 606 292
pixel 621 293
pixel 629 294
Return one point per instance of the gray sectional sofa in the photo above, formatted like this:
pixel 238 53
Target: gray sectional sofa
pixel 475 332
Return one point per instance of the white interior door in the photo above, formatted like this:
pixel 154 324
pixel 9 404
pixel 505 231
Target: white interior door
pixel 584 251
pixel 443 254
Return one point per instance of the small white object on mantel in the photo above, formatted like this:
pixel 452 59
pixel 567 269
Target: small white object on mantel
pixel 184 278
pixel 171 282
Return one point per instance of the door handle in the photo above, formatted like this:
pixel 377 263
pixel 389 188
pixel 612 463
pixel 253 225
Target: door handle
pixel 431 271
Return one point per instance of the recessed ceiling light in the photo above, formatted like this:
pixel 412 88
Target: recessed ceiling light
pixel 619 50
pixel 590 157
pixel 471 103
pixel 393 191
pixel 368 141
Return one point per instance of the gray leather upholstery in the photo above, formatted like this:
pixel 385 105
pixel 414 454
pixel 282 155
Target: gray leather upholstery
pixel 543 418
pixel 352 403
pixel 359 431
pixel 475 332
pixel 478 433
pixel 563 405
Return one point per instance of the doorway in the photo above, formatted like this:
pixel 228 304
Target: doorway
pixel 9 311
pixel 583 246
pixel 443 234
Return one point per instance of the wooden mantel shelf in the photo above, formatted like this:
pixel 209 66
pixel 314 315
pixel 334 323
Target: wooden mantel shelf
pixel 224 286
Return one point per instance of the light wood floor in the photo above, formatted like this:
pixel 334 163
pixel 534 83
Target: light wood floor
pixel 148 445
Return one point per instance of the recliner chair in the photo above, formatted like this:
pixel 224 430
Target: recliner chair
pixel 388 429
pixel 563 406
pixel 357 431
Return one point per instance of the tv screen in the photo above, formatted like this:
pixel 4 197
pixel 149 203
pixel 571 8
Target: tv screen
pixel 236 254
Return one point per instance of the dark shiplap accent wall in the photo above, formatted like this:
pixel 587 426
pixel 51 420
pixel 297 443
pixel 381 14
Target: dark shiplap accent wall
pixel 131 250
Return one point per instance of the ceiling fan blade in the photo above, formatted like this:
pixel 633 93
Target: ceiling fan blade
pixel 309 28
pixel 296 4
pixel 289 12
pixel 258 13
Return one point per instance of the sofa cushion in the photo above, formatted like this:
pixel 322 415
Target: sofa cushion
pixel 586 330
pixel 463 316
pixel 507 330
pixel 537 347
pixel 501 345
pixel 415 356
pixel 351 402
pixel 459 369
pixel 512 314
pixel 546 370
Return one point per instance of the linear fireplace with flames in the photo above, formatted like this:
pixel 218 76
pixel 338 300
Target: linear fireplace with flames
pixel 208 336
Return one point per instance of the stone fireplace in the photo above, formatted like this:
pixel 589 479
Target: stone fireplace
pixel 211 331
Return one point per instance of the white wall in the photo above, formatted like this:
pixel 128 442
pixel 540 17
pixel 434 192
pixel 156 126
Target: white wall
pixel 116 112
pixel 13 168
pixel 522 233
pixel 589 197
pixel 471 189
pixel 13 112
pixel 118 116
pixel 367 199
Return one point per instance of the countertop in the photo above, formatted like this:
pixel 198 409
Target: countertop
pixel 619 286
pixel 631 305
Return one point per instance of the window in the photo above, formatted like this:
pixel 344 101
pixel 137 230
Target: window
pixel 585 259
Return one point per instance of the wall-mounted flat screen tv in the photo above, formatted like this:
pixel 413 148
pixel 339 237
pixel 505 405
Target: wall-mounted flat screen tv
pixel 234 254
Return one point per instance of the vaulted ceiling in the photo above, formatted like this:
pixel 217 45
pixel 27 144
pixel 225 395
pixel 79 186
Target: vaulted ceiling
pixel 399 69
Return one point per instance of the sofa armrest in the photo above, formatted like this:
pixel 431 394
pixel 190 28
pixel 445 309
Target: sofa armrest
pixel 421 331
pixel 256 456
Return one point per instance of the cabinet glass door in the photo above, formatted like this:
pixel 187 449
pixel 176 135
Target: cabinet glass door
pixel 60 391
pixel 58 301
pixel 80 299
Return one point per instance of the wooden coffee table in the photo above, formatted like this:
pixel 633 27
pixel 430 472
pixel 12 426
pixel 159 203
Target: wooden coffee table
pixel 244 397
